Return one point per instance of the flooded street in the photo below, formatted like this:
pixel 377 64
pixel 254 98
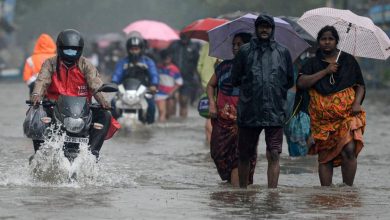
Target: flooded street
pixel 164 171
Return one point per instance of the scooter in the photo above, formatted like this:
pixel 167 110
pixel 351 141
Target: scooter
pixel 73 116
pixel 131 102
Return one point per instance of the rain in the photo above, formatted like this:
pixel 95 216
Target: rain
pixel 156 167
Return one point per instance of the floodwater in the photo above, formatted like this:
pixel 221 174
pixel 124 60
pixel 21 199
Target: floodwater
pixel 164 171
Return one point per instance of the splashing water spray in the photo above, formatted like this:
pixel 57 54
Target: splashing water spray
pixel 50 165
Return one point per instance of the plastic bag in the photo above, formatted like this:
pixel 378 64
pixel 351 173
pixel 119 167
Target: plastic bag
pixel 33 127
pixel 203 106
pixel 297 133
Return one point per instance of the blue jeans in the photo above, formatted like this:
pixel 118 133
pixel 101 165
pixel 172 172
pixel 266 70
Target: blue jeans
pixel 151 111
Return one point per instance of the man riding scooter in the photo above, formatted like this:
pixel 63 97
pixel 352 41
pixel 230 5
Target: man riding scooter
pixel 137 66
pixel 70 74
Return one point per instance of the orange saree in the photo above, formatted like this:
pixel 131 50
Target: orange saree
pixel 333 125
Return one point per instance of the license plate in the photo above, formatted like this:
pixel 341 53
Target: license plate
pixel 78 140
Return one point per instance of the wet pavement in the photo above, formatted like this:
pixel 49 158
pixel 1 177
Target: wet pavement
pixel 164 171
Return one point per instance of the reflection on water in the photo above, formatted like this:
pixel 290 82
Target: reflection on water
pixel 232 198
pixel 141 133
pixel 252 203
pixel 298 165
pixel 335 199
pixel 307 203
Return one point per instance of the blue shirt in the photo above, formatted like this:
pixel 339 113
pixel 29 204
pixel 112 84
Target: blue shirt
pixel 120 70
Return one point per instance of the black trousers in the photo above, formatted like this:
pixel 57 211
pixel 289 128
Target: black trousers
pixel 96 136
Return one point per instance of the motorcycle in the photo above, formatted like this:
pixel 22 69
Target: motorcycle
pixel 131 104
pixel 73 116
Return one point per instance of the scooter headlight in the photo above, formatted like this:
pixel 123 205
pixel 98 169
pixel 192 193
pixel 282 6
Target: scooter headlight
pixel 130 98
pixel 74 125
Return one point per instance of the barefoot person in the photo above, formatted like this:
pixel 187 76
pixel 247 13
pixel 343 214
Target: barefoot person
pixel 337 120
pixel 263 71
pixel 170 82
pixel 224 136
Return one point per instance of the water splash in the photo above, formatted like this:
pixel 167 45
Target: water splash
pixel 50 165
pixel 50 168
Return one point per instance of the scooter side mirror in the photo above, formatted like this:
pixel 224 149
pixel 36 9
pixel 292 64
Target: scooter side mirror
pixel 108 87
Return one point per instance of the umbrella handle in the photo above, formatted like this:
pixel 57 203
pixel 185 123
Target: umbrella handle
pixel 341 48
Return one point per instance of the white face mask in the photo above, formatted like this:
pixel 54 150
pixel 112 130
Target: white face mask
pixel 70 52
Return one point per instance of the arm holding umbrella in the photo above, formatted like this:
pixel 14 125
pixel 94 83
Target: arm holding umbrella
pixel 307 81
pixel 328 39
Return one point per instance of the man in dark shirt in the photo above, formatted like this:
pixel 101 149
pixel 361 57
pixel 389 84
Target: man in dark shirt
pixel 263 71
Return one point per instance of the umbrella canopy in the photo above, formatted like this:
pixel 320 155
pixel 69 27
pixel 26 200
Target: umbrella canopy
pixel 198 29
pixel 361 37
pixel 293 21
pixel 236 14
pixel 221 37
pixel 152 30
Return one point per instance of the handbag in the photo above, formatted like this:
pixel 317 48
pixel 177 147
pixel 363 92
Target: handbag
pixel 297 129
pixel 203 106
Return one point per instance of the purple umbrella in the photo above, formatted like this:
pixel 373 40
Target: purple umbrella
pixel 221 37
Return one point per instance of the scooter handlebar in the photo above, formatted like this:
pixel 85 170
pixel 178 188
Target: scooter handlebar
pixel 44 103
pixel 50 103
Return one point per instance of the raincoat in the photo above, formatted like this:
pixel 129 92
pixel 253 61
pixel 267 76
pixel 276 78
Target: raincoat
pixel 206 65
pixel 79 80
pixel 263 71
pixel 44 48
pixel 122 67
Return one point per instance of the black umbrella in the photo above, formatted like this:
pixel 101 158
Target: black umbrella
pixel 302 33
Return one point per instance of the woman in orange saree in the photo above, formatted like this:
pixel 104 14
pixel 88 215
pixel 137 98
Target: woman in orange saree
pixel 336 92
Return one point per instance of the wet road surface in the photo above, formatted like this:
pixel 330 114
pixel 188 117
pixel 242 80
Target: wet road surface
pixel 164 171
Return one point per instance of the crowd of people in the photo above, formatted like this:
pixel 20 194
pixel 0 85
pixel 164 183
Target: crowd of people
pixel 246 95
pixel 252 94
